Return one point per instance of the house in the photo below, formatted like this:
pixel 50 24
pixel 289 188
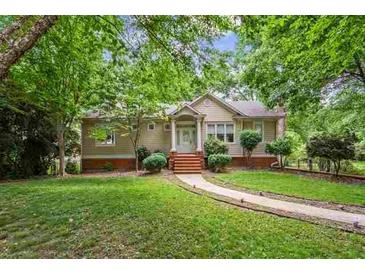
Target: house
pixel 182 136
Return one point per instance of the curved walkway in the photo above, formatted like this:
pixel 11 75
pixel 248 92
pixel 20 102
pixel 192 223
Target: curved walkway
pixel 199 182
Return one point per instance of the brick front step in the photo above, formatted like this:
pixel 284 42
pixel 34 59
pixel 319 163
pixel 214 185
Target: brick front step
pixel 187 171
pixel 188 165
pixel 185 163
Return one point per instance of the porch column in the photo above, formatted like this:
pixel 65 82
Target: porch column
pixel 198 134
pixel 173 135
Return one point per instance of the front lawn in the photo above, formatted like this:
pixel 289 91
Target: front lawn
pixel 296 185
pixel 150 218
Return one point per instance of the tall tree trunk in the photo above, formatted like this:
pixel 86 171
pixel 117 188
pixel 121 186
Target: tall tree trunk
pixel 137 162
pixel 24 43
pixel 61 149
pixel 9 30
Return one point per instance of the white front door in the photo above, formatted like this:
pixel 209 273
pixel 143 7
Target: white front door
pixel 185 139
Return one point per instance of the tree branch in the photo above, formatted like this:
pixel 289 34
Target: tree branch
pixel 8 31
pixel 24 43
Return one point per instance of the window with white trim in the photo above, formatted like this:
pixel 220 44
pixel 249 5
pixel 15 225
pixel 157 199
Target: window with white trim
pixel 221 131
pixel 259 128
pixel 109 140
pixel 167 127
pixel 151 126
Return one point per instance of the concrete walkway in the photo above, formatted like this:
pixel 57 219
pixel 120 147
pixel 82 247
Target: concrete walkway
pixel 335 215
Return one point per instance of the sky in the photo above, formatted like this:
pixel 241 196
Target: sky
pixel 227 42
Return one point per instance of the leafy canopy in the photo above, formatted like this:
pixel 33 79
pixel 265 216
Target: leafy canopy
pixel 332 147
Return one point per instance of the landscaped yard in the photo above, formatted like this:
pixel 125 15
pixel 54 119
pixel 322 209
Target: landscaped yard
pixel 150 218
pixel 296 185
pixel 360 167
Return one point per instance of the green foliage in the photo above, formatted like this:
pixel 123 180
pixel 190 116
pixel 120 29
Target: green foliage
pixel 217 162
pixel 158 151
pixel 292 58
pixel 299 186
pixel 249 139
pixel 214 146
pixel 360 151
pixel 72 167
pixel 280 147
pixel 347 167
pixel 108 166
pixel 181 222
pixel 155 162
pixel 142 153
pixel 332 147
pixel 27 140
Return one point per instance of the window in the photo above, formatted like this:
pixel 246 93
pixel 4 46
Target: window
pixel 211 130
pixel 258 128
pixel 134 127
pixel 151 126
pixel 221 131
pixel 167 127
pixel 109 140
pixel 229 133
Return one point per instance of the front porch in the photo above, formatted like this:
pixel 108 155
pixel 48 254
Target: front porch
pixel 186 153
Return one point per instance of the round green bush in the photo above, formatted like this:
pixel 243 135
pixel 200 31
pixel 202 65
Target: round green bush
pixel 142 153
pixel 214 146
pixel 158 151
pixel 217 162
pixel 155 162
pixel 72 168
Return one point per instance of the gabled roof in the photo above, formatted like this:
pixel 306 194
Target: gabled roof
pixel 241 108
pixel 255 109
pixel 220 101
pixel 185 105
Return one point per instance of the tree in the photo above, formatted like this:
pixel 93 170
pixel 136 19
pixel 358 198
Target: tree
pixel 159 68
pixel 20 37
pixel 249 139
pixel 332 147
pixel 61 72
pixel 280 147
pixel 27 138
pixel 297 60
pixel 138 93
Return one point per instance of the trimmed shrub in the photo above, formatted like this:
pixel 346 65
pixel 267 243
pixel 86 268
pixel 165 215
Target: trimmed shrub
pixel 217 162
pixel 279 147
pixel 108 166
pixel 155 162
pixel 214 146
pixel 249 139
pixel 332 147
pixel 143 153
pixel 158 151
pixel 72 167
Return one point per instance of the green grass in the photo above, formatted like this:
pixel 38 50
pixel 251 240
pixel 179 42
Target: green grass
pixel 360 167
pixel 150 218
pixel 296 185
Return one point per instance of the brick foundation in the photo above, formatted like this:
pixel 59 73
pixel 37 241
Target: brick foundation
pixel 118 164
pixel 129 164
pixel 256 162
